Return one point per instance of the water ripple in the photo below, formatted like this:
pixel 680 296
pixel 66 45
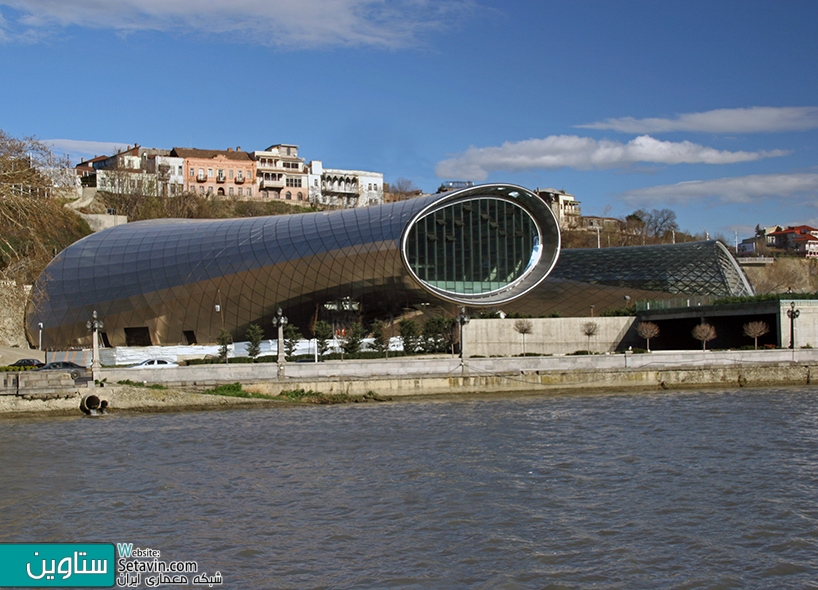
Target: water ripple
pixel 671 490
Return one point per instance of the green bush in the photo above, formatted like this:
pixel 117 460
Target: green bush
pixel 235 390
pixel 140 384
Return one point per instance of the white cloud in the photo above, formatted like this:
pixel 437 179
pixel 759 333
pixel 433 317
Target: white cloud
pixel 288 23
pixel 749 120
pixel 77 148
pixel 584 153
pixel 740 189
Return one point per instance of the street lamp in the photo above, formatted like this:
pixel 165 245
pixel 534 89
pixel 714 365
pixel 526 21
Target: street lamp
pixel 218 307
pixel 96 325
pixel 462 319
pixel 279 321
pixel 40 345
pixel 792 313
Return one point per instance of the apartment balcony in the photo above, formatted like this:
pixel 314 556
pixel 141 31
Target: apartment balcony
pixel 239 180
pixel 221 178
pixel 265 184
pixel 201 178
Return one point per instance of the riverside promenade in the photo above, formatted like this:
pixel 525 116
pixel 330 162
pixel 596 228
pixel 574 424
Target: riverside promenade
pixel 183 387
pixel 447 374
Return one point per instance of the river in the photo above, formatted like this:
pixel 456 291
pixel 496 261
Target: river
pixel 688 489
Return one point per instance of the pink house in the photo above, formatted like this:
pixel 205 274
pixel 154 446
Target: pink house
pixel 222 173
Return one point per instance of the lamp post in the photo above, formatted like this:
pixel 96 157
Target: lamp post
pixel 40 344
pixel 279 321
pixel 462 319
pixel 218 307
pixel 95 324
pixel 792 313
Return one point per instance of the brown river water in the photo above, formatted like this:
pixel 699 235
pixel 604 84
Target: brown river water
pixel 692 489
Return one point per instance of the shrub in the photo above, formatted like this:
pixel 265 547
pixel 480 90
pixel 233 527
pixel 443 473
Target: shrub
pixel 255 334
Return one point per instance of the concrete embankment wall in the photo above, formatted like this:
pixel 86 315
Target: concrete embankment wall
pixel 587 380
pixel 447 375
pixel 54 392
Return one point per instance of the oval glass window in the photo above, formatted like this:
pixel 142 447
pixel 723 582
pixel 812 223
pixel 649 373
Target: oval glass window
pixel 473 247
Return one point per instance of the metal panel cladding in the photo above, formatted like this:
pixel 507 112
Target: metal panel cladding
pixel 182 281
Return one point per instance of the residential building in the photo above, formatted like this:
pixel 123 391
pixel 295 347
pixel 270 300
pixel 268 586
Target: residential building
pixel 565 207
pixel 344 188
pixel 281 174
pixel 124 172
pixel 170 174
pixel 222 173
pixel 606 224
pixel 795 238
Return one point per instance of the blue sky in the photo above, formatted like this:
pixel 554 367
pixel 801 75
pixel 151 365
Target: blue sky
pixel 708 108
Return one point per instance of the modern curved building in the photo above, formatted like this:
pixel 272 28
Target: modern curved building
pixel 491 246
pixel 182 281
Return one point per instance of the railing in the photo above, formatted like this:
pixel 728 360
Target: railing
pixel 239 180
pixel 675 303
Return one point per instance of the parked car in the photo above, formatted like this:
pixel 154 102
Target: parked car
pixel 154 364
pixel 76 371
pixel 27 363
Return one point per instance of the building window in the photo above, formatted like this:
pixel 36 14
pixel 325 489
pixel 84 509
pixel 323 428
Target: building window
pixel 231 173
pixel 474 247
pixel 241 192
pixel 210 172
pixel 300 196
pixel 201 190
pixel 294 182
pixel 289 196
pixel 231 191
pixel 249 192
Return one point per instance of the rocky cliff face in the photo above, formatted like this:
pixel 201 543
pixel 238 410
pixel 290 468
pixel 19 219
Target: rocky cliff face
pixel 12 314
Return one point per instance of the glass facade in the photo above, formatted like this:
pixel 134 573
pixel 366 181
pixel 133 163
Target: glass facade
pixel 612 278
pixel 473 247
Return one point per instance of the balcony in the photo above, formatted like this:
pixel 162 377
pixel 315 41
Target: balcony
pixel 239 179
pixel 201 178
pixel 265 184
pixel 221 178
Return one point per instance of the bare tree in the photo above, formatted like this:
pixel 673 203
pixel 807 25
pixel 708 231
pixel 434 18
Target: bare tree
pixel 756 329
pixel 647 330
pixel 704 333
pixel 32 224
pixel 523 327
pixel 590 329
pixel 660 222
pixel 402 188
